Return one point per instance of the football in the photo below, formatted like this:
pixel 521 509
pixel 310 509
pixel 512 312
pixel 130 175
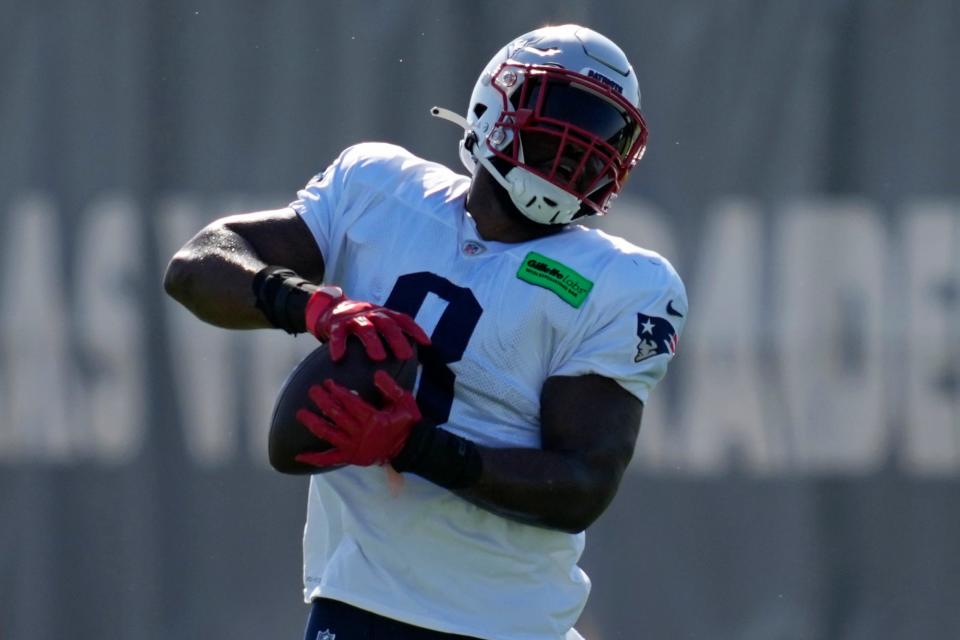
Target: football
pixel 288 438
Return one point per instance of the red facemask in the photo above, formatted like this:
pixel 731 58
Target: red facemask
pixel 574 131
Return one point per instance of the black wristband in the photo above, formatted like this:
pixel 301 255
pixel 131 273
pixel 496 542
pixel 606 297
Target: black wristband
pixel 443 458
pixel 282 296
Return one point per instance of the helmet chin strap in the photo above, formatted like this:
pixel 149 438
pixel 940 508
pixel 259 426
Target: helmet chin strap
pixel 519 183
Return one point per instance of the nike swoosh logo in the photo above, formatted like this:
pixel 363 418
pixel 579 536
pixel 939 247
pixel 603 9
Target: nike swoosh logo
pixel 673 311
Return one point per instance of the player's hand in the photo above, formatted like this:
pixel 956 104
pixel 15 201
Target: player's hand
pixel 331 317
pixel 360 433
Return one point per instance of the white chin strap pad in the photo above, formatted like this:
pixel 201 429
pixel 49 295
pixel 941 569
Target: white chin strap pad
pixel 536 198
pixel 540 200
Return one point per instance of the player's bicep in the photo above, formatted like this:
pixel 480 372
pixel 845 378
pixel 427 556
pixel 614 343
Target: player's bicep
pixel 280 237
pixel 593 417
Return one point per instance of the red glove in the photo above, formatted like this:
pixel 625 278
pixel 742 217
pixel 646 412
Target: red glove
pixel 331 316
pixel 360 433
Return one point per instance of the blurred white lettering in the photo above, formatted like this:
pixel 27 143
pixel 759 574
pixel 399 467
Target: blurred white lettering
pixel 723 412
pixel 108 403
pixel 835 348
pixel 36 421
pixel 931 337
pixel 831 306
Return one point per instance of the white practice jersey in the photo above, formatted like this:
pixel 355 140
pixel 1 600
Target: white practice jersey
pixel 393 230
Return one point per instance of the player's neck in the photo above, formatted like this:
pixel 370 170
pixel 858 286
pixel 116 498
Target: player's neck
pixel 495 216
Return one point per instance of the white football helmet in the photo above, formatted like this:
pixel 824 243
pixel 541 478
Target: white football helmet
pixel 555 118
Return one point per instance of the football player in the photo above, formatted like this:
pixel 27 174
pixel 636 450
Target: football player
pixel 540 341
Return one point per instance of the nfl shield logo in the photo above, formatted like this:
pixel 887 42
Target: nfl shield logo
pixel 472 248
pixel 326 635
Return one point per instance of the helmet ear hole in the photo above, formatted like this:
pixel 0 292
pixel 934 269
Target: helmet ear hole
pixel 470 141
pixel 479 110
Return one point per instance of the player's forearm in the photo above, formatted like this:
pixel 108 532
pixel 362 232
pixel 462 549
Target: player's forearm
pixel 557 490
pixel 212 276
pixel 588 427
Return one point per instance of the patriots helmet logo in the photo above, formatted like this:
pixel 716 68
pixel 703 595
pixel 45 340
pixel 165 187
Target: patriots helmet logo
pixel 656 336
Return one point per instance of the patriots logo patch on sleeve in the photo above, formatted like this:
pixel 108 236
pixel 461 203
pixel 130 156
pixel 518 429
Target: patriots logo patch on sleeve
pixel 656 335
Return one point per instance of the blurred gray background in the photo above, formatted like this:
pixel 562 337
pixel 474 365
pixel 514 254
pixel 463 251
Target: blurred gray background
pixel 798 473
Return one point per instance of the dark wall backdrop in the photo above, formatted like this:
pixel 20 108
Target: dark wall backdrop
pixel 798 474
